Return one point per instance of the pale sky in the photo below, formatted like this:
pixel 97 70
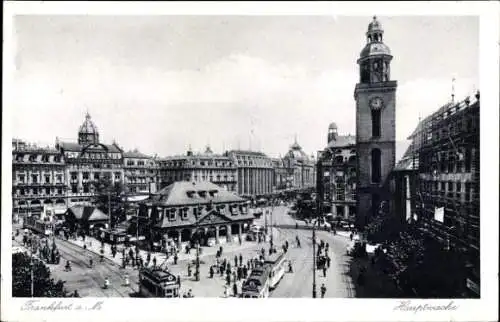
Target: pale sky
pixel 160 83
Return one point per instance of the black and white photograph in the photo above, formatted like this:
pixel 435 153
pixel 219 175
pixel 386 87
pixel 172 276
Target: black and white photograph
pixel 240 157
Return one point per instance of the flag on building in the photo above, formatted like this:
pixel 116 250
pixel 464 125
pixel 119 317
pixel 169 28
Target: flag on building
pixel 439 214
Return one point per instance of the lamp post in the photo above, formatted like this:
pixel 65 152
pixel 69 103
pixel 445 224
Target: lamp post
pixel 314 259
pixel 197 265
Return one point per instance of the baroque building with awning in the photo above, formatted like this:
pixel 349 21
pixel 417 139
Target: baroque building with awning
pixel 196 211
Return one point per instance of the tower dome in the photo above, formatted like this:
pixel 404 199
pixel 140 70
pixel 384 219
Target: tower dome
pixel 332 132
pixel 88 133
pixel 374 59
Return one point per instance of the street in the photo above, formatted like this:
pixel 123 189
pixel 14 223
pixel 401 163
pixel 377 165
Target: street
pixel 89 281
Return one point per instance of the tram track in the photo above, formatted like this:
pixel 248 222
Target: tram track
pixel 103 269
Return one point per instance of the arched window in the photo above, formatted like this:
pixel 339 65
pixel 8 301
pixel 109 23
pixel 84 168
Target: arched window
pixel 376 166
pixel 376 123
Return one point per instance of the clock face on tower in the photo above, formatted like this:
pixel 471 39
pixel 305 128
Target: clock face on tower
pixel 376 103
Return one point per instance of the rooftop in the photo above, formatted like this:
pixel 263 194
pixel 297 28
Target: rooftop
pixel 189 193
pixel 342 141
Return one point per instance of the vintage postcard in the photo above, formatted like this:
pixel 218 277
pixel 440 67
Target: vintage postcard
pixel 315 161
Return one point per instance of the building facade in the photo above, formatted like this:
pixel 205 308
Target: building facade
pixel 141 172
pixel 300 168
pixel 375 96
pixel 207 166
pixel 280 174
pixel 446 144
pixel 254 172
pixel 38 178
pixel 200 211
pixel 338 174
pixel 87 161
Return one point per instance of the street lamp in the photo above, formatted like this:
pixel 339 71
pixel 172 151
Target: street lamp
pixel 314 251
pixel 197 265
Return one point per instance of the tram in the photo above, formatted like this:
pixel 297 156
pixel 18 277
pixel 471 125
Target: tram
pixel 157 282
pixel 265 277
pixel 277 263
pixel 257 284
pixel 42 227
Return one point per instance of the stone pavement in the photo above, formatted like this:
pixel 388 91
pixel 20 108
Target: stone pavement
pixel 206 287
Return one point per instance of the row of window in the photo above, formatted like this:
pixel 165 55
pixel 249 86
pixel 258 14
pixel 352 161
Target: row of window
pixel 449 189
pixel 38 158
pixel 449 162
pixel 182 213
pixel 34 179
pixel 37 191
pixel 97 176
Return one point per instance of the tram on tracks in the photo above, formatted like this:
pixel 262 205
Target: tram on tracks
pixel 264 277
pixel 157 282
pixel 45 228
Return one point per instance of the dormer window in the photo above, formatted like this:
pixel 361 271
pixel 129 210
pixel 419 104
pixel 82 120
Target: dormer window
pixel 190 193
pixel 184 213
pixel 202 193
pixel 171 214
pixel 213 193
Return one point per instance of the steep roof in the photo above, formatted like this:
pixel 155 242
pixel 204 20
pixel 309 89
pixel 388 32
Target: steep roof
pixel 188 193
pixel 87 213
pixel 135 154
pixel 75 147
pixel 342 141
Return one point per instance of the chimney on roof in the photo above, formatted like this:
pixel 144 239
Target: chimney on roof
pixel 477 95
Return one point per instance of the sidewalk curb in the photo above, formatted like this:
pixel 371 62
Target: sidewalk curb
pixel 89 250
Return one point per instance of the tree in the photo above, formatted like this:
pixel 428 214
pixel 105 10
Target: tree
pixel 43 284
pixel 110 193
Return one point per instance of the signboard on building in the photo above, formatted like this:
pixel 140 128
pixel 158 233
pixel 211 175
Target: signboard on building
pixel 439 214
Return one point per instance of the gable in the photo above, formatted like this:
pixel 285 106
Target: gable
pixel 213 217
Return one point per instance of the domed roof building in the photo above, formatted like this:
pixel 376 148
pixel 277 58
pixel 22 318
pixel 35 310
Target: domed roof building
pixel 88 133
pixel 299 167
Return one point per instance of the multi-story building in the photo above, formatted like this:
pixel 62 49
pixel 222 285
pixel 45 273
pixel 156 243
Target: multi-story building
pixel 447 198
pixel 38 178
pixel 280 174
pixel 300 168
pixel 87 161
pixel 141 172
pixel 338 173
pixel 255 172
pixel 207 166
pixel 375 96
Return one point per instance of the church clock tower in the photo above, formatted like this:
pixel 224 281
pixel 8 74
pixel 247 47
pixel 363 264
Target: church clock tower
pixel 375 96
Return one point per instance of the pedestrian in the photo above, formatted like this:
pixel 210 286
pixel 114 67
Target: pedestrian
pixel 67 268
pixel 221 270
pixel 262 251
pixel 189 270
pixel 296 225
pixel 324 271
pixel 211 272
pixel 179 280
pixel 91 262
pixel 102 255
pixel 235 290
pixel 75 294
pixel 106 283
pixel 234 276
pixel 241 260
pixel 327 246
pixel 226 291
pixel 175 259
pixel 323 290
pixel 228 279
pixel 240 273
pixel 239 239
pixel 228 267
pixel 126 280
pixel 154 261
pixel 350 236
pixel 84 246
pixel 328 259
pixel 235 261
pixel 245 271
